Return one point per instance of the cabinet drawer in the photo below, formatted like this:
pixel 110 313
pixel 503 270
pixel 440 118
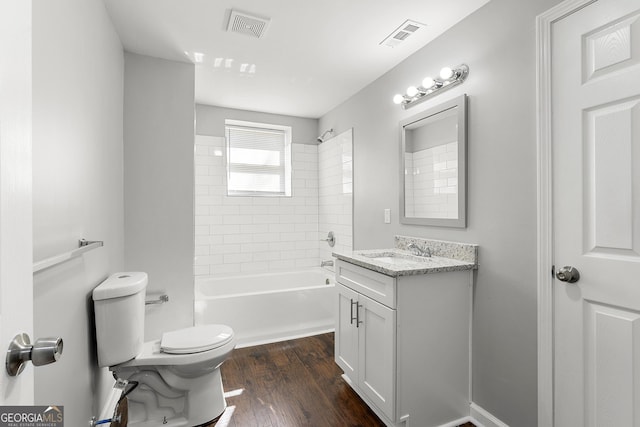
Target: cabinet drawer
pixel 376 286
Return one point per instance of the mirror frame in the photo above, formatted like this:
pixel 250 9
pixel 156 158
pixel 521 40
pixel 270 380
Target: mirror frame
pixel 461 222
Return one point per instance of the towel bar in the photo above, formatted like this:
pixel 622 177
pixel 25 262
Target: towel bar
pixel 83 246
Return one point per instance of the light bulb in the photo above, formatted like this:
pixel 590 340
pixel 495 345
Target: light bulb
pixel 428 83
pixel 397 99
pixel 446 73
pixel 412 91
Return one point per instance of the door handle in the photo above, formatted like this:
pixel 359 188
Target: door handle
pixel 352 303
pixel 568 274
pixel 358 321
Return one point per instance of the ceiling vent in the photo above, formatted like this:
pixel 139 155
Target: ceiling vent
pixel 402 33
pixel 250 25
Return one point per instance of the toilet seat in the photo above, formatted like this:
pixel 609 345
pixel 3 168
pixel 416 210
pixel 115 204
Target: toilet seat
pixel 212 337
pixel 195 339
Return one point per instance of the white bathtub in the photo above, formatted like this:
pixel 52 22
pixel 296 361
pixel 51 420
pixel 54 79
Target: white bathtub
pixel 269 307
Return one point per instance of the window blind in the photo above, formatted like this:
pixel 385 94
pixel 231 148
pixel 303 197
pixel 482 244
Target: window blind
pixel 258 161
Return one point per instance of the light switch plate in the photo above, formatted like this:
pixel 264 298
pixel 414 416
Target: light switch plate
pixel 387 216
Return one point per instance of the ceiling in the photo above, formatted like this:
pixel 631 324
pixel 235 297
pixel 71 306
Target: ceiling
pixel 313 56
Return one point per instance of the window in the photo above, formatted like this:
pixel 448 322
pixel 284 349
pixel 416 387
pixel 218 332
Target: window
pixel 258 159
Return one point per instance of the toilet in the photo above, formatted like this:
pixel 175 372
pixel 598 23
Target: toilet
pixel 178 376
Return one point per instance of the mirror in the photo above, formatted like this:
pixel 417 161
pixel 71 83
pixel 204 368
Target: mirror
pixel 433 166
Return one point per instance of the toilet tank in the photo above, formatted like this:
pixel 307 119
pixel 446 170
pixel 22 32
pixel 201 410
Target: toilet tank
pixel 119 314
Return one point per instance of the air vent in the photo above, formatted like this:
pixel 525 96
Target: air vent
pixel 250 25
pixel 402 33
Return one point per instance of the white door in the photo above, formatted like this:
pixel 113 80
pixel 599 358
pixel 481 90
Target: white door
pixel 16 280
pixel 346 336
pixel 595 101
pixel 377 354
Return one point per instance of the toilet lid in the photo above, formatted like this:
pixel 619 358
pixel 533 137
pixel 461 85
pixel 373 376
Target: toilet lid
pixel 195 339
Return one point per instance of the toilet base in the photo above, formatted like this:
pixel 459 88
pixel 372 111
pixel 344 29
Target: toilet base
pixel 197 401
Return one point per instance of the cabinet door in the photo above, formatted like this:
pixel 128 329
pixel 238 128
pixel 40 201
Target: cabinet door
pixel 377 356
pixel 346 336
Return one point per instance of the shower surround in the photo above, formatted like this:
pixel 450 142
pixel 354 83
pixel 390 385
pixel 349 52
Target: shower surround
pixel 237 235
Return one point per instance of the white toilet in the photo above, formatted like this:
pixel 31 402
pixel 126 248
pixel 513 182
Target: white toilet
pixel 179 382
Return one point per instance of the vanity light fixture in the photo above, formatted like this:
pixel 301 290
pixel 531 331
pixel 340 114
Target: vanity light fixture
pixel 430 87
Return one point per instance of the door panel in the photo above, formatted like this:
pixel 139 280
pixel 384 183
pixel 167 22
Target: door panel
pixel 612 342
pixel 16 258
pixel 377 354
pixel 346 336
pixel 595 76
pixel 611 229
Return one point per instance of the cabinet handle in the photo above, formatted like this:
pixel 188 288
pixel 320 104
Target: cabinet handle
pixel 352 303
pixel 358 321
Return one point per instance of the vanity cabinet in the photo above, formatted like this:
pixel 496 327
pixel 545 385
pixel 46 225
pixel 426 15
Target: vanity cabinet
pixel 365 342
pixel 403 343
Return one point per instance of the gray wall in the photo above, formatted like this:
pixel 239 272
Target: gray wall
pixel 77 190
pixel 498 44
pixel 159 111
pixel 210 121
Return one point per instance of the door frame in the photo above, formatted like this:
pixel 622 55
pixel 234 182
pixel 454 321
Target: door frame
pixel 545 280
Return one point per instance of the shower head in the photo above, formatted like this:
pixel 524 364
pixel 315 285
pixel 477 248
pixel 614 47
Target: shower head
pixel 321 137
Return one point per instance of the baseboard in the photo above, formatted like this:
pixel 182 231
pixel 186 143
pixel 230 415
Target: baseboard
pixel 459 422
pixel 270 339
pixel 483 418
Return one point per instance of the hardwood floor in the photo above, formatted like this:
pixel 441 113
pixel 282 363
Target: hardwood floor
pixel 291 384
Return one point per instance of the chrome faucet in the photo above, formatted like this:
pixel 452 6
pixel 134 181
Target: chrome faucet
pixel 414 248
pixel 326 263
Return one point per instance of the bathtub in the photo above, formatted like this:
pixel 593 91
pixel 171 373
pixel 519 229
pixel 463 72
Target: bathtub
pixel 270 307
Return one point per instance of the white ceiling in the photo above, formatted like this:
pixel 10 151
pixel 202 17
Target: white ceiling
pixel 313 56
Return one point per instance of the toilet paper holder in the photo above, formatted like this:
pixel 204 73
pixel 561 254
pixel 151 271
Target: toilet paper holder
pixel 42 352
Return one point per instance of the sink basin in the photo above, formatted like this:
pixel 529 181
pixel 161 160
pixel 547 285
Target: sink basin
pixel 395 258
pixel 388 259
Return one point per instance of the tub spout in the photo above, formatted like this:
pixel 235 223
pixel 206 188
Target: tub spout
pixel 326 263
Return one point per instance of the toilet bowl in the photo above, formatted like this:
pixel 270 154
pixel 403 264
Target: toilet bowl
pixel 177 378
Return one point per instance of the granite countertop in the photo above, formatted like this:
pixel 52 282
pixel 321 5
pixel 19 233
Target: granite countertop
pixel 398 261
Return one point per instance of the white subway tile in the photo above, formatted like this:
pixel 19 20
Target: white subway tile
pixel 237 219
pixel 225 229
pixel 281 265
pixel 266 256
pixel 290 255
pixel 265 237
pixel 307 262
pixel 254 267
pixel 276 247
pixel 222 248
pixel 225 269
pixel 237 238
pixel 291 237
pixel 201 270
pixel 201 230
pixel 236 258
pixel 204 160
pixel 282 228
pixel 255 228
pixel 306 244
pixel 265 219
pixel 254 247
pixel 310 226
pixel 201 250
